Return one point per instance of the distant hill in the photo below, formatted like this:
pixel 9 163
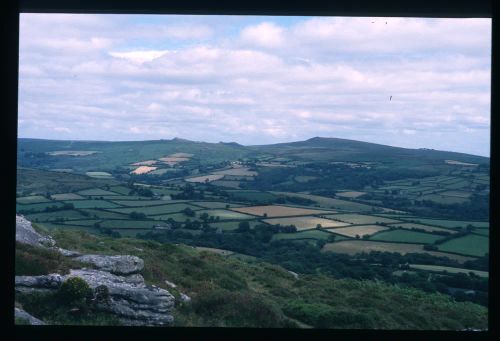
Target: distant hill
pixel 109 155
pixel 328 148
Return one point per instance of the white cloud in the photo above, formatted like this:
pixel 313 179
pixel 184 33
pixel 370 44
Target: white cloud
pixel 111 78
pixel 266 34
pixel 139 56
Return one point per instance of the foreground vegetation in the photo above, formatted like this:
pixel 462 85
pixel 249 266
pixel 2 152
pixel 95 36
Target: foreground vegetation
pixel 227 291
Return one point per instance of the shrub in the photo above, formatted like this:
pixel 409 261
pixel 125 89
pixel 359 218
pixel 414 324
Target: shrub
pixel 74 291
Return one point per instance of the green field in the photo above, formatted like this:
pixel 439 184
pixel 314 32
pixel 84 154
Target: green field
pixel 353 247
pixel 51 216
pixel 406 236
pixel 91 203
pixel 471 245
pixel 483 232
pixel 101 214
pixel 310 234
pixel 428 228
pixel 70 227
pixel 360 219
pixel 225 214
pixel 156 210
pixel 136 203
pixel 330 202
pixel 128 224
pixel 95 191
pixel 450 223
pixel 439 268
pixel 116 198
pixel 214 204
pixel 67 196
pixel 32 199
pixel 89 222
pixel 37 207
pixel 442 199
pixel 249 195
pixel 233 225
pixel 180 217
pixel 120 189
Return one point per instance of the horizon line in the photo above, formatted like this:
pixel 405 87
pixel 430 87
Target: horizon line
pixel 268 144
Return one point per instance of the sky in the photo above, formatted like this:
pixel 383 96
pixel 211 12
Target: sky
pixel 256 79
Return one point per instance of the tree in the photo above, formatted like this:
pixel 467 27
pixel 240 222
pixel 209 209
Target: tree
pixel 243 226
pixel 137 215
pixel 189 212
pixel 318 226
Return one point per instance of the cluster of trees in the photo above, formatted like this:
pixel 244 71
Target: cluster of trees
pixel 189 192
pixel 331 177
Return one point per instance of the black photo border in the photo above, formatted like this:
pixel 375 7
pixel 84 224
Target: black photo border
pixel 383 8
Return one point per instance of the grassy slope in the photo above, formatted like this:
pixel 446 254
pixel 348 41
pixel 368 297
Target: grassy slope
pixel 232 292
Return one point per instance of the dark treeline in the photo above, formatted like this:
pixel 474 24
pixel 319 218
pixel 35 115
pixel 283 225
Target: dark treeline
pixel 330 176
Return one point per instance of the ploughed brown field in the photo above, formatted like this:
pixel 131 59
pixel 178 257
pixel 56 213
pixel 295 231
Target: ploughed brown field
pixel 279 211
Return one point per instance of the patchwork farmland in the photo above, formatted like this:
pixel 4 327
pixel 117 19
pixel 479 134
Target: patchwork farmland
pixel 119 207
pixel 307 208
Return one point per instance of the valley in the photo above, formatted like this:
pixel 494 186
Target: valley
pixel 412 217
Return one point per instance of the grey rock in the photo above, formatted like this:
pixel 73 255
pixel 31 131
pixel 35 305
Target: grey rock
pixel 67 253
pixel 118 265
pixel 294 274
pixel 25 233
pixel 170 284
pixel 185 298
pixel 129 297
pixel 19 313
pixel 52 281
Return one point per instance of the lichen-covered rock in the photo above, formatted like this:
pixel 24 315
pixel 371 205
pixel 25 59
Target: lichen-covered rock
pixel 19 313
pixel 170 284
pixel 25 233
pixel 129 297
pixel 185 298
pixel 67 253
pixel 118 265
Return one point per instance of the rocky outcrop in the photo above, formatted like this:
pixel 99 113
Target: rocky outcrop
pixel 21 314
pixel 128 297
pixel 118 265
pixel 25 233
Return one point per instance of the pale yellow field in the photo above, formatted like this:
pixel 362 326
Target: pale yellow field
pixel 278 211
pixel 305 223
pixel 350 194
pixel 211 177
pixel 352 247
pixel 145 163
pixel 181 155
pixel 143 170
pixel 453 162
pixel 241 171
pixel 352 231
pixel 173 159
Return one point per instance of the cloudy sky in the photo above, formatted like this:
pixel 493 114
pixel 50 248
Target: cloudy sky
pixel 256 80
